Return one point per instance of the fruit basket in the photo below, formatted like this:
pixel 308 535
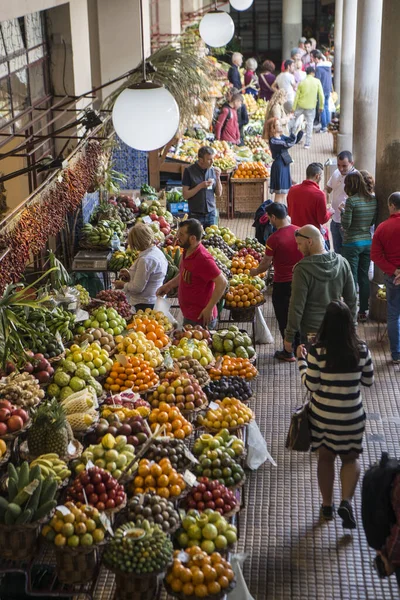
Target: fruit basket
pixel 175 450
pixel 12 435
pixel 182 596
pixel 137 587
pixel 19 542
pixel 77 565
pixel 57 358
pixel 242 315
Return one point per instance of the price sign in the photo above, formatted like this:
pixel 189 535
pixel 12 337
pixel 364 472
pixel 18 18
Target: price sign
pixel 89 464
pixel 105 521
pixel 63 510
pixel 190 456
pixel 189 478
pixel 147 220
pixel 213 406
pixel 84 495
pixel 183 557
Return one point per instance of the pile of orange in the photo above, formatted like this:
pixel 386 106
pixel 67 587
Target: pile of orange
pixel 201 576
pixel 251 170
pixel 134 374
pixel 154 315
pixel 243 264
pixel 243 296
pixel 152 330
pixel 175 423
pixel 230 367
pixel 158 477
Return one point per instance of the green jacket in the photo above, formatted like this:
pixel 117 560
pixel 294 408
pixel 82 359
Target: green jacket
pixel 308 92
pixel 317 280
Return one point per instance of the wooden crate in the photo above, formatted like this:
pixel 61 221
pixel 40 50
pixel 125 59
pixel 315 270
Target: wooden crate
pixel 335 140
pixel 248 194
pixel 223 201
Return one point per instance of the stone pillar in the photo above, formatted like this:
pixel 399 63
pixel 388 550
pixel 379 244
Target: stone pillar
pixel 388 136
pixel 122 53
pixel 79 20
pixel 365 117
pixel 345 137
pixel 169 17
pixel 338 43
pixel 292 25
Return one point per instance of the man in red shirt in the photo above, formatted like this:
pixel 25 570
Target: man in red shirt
pixel 307 202
pixel 282 250
pixel 200 283
pixel 385 253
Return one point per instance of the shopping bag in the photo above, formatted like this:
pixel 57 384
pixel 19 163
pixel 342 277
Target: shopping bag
pixel 332 107
pixel 241 591
pixel 263 334
pixel 257 451
pixel 163 305
pixel 299 434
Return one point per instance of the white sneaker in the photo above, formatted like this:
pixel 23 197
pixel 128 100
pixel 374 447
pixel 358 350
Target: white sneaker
pixel 306 147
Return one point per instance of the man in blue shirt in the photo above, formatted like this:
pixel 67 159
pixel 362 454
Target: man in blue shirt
pixel 323 72
pixel 233 73
pixel 200 183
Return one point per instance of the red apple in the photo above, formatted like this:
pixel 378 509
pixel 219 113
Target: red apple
pixel 15 423
pixel 3 429
pixel 20 412
pixel 6 404
pixel 5 414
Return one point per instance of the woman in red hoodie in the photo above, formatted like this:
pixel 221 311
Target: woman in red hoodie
pixel 227 126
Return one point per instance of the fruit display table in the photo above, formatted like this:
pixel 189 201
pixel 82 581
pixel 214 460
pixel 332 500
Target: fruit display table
pixel 247 195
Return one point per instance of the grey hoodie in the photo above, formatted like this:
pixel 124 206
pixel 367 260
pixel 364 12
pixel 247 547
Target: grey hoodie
pixel 317 280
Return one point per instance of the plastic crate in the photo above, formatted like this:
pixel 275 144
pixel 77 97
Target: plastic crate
pixel 178 207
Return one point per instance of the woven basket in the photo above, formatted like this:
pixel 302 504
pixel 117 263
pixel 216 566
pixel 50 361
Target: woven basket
pixel 19 542
pixel 182 596
pixel 132 587
pixel 56 359
pixel 76 565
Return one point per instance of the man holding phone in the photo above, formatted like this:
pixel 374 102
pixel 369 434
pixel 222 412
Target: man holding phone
pixel 201 183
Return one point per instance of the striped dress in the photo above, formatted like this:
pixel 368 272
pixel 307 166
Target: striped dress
pixel 337 417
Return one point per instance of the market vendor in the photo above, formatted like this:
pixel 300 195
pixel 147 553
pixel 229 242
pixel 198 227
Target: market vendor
pixel 201 183
pixel 200 283
pixel 147 273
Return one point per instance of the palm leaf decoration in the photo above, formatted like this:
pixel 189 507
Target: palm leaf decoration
pixel 182 69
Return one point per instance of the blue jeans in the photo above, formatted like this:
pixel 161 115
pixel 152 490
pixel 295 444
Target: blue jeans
pixel 326 115
pixel 207 219
pixel 393 316
pixel 337 236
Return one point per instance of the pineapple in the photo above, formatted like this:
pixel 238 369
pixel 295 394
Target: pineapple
pixel 50 431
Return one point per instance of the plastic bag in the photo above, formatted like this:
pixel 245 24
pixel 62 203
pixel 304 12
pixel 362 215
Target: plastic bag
pixel 240 592
pixel 257 451
pixel 263 334
pixel 163 305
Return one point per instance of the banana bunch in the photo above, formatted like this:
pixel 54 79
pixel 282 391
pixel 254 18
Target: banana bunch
pixel 120 260
pixel 61 321
pixel 30 496
pixel 51 466
pixel 225 163
pixel 99 235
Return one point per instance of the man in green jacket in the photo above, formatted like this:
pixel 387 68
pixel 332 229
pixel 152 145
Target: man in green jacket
pixel 318 279
pixel 309 91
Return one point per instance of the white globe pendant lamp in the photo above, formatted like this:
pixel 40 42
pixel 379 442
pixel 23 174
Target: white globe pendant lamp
pixel 216 28
pixel 241 4
pixel 145 115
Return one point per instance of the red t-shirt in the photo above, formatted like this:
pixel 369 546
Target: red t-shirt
pixel 307 204
pixel 196 284
pixel 385 250
pixel 282 246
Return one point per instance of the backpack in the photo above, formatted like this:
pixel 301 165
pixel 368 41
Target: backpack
pixel 263 230
pixel 377 511
pixel 217 112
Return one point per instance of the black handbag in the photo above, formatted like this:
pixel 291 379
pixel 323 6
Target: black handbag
pixel 287 159
pixel 299 434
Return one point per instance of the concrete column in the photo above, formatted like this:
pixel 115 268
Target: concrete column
pixel 388 136
pixel 292 25
pixel 365 117
pixel 122 53
pixel 169 17
pixel 190 6
pixel 79 21
pixel 345 137
pixel 338 43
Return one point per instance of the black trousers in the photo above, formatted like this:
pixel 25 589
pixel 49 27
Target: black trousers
pixel 281 292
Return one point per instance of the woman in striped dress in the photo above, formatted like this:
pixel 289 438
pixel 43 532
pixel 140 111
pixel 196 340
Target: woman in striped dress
pixel 333 370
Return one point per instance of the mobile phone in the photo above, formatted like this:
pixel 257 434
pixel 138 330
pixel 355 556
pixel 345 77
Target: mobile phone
pixel 379 567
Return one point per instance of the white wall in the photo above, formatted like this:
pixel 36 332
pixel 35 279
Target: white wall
pixel 11 9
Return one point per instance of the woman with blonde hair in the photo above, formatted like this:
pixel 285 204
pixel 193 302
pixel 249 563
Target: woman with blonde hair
pixel 358 215
pixel 280 181
pixel 276 110
pixel 250 78
pixel 147 273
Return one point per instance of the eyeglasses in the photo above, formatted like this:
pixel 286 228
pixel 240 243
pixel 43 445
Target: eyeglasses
pixel 298 234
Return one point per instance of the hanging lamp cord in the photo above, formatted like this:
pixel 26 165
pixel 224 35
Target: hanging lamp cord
pixel 142 39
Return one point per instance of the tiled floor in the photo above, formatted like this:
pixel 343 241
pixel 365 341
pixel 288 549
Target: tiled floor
pixel 291 556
